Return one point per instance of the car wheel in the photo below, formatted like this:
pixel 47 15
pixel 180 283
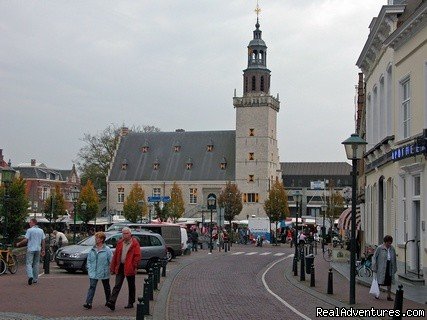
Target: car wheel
pixel 169 255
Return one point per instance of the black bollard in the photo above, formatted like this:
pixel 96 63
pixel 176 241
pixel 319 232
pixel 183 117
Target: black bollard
pixel 398 302
pixel 46 262
pixel 158 272
pixel 302 272
pixel 312 278
pixel 146 301
pixel 151 283
pixel 225 246
pixel 164 269
pixel 140 309
pixel 330 282
pixel 295 266
pixel 155 281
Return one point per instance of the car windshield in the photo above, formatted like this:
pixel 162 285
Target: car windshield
pixel 90 241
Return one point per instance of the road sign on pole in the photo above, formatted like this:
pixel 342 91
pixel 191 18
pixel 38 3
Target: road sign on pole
pixel 153 199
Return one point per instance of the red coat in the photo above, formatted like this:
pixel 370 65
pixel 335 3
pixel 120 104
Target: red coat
pixel 132 258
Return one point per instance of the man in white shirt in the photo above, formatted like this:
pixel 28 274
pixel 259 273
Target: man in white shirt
pixel 60 239
pixel 34 238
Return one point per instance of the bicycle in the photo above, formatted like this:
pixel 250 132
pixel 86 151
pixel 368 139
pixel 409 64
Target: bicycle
pixel 8 260
pixel 363 267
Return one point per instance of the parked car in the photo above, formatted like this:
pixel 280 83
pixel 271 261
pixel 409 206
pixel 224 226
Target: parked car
pixel 169 231
pixel 73 257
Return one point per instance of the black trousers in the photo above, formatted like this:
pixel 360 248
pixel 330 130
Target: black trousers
pixel 120 277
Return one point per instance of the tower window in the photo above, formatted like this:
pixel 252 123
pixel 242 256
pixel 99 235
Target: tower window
pixel 251 156
pixel 253 83
pixel 251 132
pixel 262 83
pixel 246 84
pixel 251 178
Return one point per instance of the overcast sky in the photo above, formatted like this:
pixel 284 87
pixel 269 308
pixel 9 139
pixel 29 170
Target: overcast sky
pixel 73 67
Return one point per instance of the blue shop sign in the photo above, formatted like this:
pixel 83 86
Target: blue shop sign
pixel 407 151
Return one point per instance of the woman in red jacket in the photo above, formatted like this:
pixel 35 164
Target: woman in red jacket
pixel 125 264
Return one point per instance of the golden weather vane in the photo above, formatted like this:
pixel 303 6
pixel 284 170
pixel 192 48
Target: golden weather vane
pixel 257 9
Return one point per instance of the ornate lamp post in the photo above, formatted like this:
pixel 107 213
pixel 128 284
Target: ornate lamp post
pixel 324 206
pixel 6 177
pixel 211 206
pixel 354 148
pixel 75 196
pixel 297 198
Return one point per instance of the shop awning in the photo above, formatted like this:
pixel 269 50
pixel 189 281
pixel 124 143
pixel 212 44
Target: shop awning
pixel 344 222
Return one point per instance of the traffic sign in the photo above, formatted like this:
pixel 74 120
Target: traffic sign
pixel 153 199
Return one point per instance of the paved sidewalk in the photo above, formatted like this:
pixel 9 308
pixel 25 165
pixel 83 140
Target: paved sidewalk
pixel 341 287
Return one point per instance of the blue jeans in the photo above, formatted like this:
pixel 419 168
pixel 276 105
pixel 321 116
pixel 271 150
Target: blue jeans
pixel 32 264
pixel 92 289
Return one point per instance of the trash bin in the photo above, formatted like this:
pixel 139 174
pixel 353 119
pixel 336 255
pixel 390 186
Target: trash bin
pixel 309 260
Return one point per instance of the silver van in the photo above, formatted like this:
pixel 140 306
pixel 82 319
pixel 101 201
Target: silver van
pixel 170 232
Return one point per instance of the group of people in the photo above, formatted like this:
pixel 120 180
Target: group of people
pixel 101 263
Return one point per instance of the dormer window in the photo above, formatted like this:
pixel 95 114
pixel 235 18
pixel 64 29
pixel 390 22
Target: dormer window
pixel 177 146
pixel 251 132
pixel 251 178
pixel 156 164
pixel 210 146
pixel 145 147
pixel 223 164
pixel 251 156
pixel 189 164
pixel 124 164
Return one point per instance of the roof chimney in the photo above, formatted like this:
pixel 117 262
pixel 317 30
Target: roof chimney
pixel 33 162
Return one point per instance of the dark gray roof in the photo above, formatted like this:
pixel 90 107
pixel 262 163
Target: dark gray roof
pixel 35 172
pixel 315 168
pixel 172 165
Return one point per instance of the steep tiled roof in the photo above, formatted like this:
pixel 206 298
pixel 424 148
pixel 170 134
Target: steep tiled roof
pixel 32 172
pixel 315 168
pixel 139 151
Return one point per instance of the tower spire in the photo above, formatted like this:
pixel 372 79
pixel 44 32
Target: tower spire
pixel 257 11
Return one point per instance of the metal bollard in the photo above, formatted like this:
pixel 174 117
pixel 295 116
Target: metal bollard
pixel 164 269
pixel 302 274
pixel 151 283
pixel 140 309
pixel 330 282
pixel 155 281
pixel 158 272
pixel 146 302
pixel 398 302
pixel 312 277
pixel 46 262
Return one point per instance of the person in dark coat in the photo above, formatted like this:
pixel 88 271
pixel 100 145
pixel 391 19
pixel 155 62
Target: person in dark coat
pixel 194 240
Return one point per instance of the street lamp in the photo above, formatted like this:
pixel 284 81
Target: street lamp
pixel 75 196
pixel 297 198
pixel 211 206
pixel 83 207
pixel 6 177
pixel 354 148
pixel 324 206
pixel 150 206
pixel 140 206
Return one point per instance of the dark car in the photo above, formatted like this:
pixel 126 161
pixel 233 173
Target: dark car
pixel 73 257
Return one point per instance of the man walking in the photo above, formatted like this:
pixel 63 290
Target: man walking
pixel 125 264
pixel 34 238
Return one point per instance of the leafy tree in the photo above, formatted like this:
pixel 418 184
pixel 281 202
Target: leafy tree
pixel 13 208
pixel 230 199
pixel 133 209
pixel 335 206
pixel 88 196
pixel 276 205
pixel 176 205
pixel 162 213
pixel 54 206
pixel 94 158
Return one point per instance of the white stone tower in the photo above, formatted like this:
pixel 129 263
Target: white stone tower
pixel 257 154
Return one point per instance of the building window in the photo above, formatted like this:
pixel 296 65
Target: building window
pixel 253 83
pixel 223 164
pixel 251 132
pixel 177 148
pixel 250 197
pixel 124 164
pixel 120 195
pixel 251 178
pixel 193 195
pixel 45 193
pixel 156 166
pixel 157 192
pixel 209 147
pixel 417 186
pixel 262 83
pixel 189 164
pixel 251 156
pixel 406 108
pixel 144 149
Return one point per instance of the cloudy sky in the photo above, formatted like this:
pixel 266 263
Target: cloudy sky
pixel 74 67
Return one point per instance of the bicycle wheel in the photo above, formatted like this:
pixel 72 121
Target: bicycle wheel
pixel 368 272
pixel 327 255
pixel 3 267
pixel 13 264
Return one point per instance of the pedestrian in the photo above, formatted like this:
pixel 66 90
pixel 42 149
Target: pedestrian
pixel 35 240
pixel 194 240
pixel 98 268
pixel 384 264
pixel 60 239
pixel 125 265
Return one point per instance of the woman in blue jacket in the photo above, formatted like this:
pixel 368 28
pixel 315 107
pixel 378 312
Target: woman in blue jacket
pixel 98 268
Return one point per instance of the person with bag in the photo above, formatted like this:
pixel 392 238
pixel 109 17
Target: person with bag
pixel 384 265
pixel 98 268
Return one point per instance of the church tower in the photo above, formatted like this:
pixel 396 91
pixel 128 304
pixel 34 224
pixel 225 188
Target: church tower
pixel 257 154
